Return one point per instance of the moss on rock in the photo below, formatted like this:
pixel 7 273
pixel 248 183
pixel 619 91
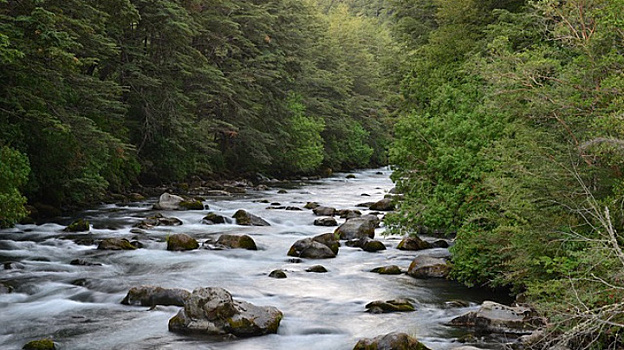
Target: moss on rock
pixel 41 344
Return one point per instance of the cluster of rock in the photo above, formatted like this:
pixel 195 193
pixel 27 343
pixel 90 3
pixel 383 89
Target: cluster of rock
pixel 213 311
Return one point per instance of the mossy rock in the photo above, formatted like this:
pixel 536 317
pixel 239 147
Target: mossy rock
pixel 317 269
pixel 394 341
pixel 311 205
pixel 350 176
pixel 213 218
pixel 373 246
pixel 396 305
pixel 41 344
pixel 387 270
pixel 116 244
pixel 79 225
pixel 277 274
pixel 192 205
pixel 181 241
pixel 237 242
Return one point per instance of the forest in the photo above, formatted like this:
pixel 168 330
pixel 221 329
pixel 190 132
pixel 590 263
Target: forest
pixel 98 96
pixel 503 121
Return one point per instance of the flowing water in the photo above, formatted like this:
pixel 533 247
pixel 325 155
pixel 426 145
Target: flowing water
pixel 79 306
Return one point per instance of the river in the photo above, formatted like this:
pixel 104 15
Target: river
pixel 79 306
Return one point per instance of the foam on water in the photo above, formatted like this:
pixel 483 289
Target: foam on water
pixel 79 306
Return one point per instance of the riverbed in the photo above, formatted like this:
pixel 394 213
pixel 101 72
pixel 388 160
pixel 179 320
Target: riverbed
pixel 79 306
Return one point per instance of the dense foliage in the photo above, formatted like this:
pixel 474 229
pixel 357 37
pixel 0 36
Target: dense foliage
pixel 100 95
pixel 510 138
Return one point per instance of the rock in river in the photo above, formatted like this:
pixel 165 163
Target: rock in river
pixel 385 204
pixel 428 267
pixel 151 296
pixel 392 341
pixel 115 244
pixel 181 241
pixel 246 219
pixel 360 227
pixel 329 221
pixel 320 247
pixel 168 202
pixel 212 311
pixel 413 243
pixel 497 318
pixel 41 344
pixel 387 270
pixel 395 305
pixel 80 225
pixel 237 242
pixel 324 211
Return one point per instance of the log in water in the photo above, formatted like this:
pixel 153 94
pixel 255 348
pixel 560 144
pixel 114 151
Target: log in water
pixel 78 305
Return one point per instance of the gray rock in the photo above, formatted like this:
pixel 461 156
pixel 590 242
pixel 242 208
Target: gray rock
pixel 158 220
pixel 329 221
pixel 361 227
pixel 428 267
pixel 497 318
pixel 324 211
pixel 212 311
pixel 348 213
pixel 246 219
pixel 324 246
pixel 151 296
pixel 391 341
pixel 385 204
pixel 168 201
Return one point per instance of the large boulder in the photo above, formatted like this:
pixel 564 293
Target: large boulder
pixel 324 211
pixel 428 267
pixel 237 242
pixel 247 219
pixel 323 246
pixel 181 241
pixel 497 318
pixel 356 228
pixel 385 204
pixel 212 311
pixel 392 341
pixel 413 243
pixel 151 296
pixel 115 244
pixel 168 201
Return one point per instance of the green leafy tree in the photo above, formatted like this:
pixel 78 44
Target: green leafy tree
pixel 14 171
